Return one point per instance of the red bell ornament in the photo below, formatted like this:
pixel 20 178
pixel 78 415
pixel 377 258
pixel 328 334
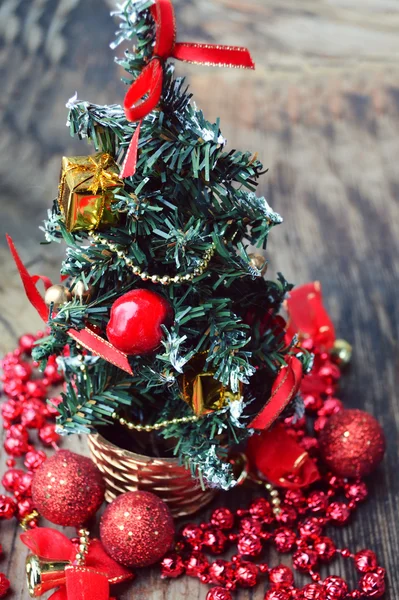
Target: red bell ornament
pixel 136 319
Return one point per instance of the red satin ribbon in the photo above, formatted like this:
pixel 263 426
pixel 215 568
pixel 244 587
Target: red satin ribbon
pixel 145 92
pixel 86 338
pixel 308 317
pixel 285 388
pixel 90 582
pixel 277 456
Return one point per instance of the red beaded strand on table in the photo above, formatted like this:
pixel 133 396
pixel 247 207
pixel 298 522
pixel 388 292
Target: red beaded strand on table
pixel 25 410
pixel 298 526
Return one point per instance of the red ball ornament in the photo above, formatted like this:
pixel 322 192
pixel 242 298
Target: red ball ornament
pixel 68 489
pixel 335 588
pixel 137 529
pixel 279 594
pixel 246 574
pixel 249 545
pixel 372 585
pixel 312 591
pixel 34 459
pixel 214 541
pixel 27 342
pixel 218 593
pixel 338 512
pixel 304 560
pixel 220 572
pixel 7 507
pixel 196 565
pixel 135 323
pixel 325 548
pixel 222 518
pixel 261 509
pixel 352 443
pixel 48 434
pixel 281 576
pixel 365 561
pixel 284 539
pixel 172 566
pixel 194 535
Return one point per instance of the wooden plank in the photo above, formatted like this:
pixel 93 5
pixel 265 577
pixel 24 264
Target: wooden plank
pixel 321 110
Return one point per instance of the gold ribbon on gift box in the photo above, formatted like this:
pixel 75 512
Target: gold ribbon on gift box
pixel 85 191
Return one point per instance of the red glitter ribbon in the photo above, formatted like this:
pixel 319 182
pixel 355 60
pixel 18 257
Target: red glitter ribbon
pixel 145 92
pixel 86 337
pixel 88 582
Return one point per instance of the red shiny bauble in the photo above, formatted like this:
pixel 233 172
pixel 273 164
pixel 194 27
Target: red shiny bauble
pixel 26 342
pixel 135 323
pixel 251 526
pixel 196 564
pixel 281 576
pixel 137 529
pixel 352 443
pixel 25 508
pixel 338 512
pixel 221 571
pixel 7 507
pixel 4 585
pixel 356 492
pixel 325 549
pixel 249 545
pixel 246 574
pixel 365 561
pixel 318 501
pixel 193 534
pixel 34 459
pixel 11 409
pixel 218 593
pixel 222 518
pixel 48 434
pixel 304 560
pixel 214 541
pixel 172 566
pixel 68 489
pixel 32 414
pixel 36 389
pixel 284 539
pixel 287 516
pixel 335 588
pixel 261 509
pixel 372 585
pixel 312 591
pixel 11 479
pixel 310 528
pixel 278 594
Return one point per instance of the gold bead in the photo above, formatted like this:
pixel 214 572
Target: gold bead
pixel 148 428
pixel 276 501
pixel 111 246
pixel 155 279
pixel 268 486
pixel 130 426
pixel 342 352
pixel 136 270
pixel 274 493
pixel 165 280
pixel 176 279
pixel 188 277
pixel 114 415
pixel 122 421
pixel 128 262
pixel 57 295
pixel 83 547
pixel 80 557
pixel 144 276
pixel 120 253
pixel 258 262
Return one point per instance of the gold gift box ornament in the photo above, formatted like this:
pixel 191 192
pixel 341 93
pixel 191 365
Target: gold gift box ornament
pixel 85 191
pixel 202 392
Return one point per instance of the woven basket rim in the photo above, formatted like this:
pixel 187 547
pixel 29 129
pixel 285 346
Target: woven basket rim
pixel 134 455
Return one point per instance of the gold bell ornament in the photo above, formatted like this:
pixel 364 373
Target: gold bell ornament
pixel 44 575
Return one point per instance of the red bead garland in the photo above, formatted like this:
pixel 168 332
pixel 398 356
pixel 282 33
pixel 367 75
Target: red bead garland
pixel 298 527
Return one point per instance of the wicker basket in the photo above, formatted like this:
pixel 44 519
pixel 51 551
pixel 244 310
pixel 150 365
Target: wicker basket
pixel 125 471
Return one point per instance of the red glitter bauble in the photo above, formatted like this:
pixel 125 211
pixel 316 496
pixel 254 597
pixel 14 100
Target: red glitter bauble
pixel 365 561
pixel 352 443
pixel 325 549
pixel 372 585
pixel 221 571
pixel 335 588
pixel 214 541
pixel 193 534
pixel 137 529
pixel 261 509
pixel 196 564
pixel 281 576
pixel 338 512
pixel 284 539
pixel 68 489
pixel 4 585
pixel 218 593
pixel 48 434
pixel 304 560
pixel 136 319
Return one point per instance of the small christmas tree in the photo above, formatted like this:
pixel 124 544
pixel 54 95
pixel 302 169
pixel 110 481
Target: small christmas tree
pixel 160 264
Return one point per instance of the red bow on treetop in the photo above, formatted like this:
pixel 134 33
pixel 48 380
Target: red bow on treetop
pixel 145 92
pixel 88 582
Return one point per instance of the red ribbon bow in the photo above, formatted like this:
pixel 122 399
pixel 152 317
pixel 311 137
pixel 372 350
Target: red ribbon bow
pixel 276 455
pixel 145 92
pixel 90 582
pixel 86 338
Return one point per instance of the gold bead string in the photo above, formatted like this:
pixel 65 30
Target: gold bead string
pixel 157 426
pixel 32 516
pixel 83 546
pixel 162 279
pixel 241 461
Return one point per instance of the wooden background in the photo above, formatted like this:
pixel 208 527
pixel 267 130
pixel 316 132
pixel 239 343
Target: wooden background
pixel 321 110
